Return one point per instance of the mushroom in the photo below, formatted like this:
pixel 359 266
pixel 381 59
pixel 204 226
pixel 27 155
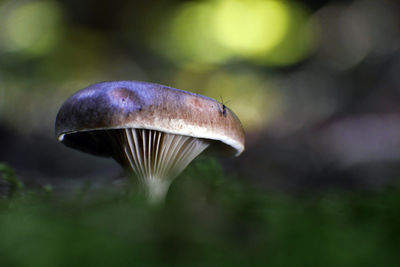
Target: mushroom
pixel 153 131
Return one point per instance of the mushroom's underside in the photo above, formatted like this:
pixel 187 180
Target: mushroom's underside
pixel 154 157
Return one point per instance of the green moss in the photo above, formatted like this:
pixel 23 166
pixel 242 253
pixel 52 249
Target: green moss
pixel 15 185
pixel 208 220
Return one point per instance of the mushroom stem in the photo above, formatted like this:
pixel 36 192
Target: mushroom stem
pixel 155 157
pixel 156 189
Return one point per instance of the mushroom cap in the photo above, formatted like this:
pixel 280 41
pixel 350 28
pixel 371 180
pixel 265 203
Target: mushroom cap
pixel 143 105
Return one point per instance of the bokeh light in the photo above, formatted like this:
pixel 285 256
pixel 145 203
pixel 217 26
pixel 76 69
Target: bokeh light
pixel 299 40
pixel 187 36
pixel 353 32
pixel 250 28
pixel 250 96
pixel 254 98
pixel 265 32
pixel 31 27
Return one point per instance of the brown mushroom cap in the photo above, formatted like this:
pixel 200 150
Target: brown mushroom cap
pixel 143 105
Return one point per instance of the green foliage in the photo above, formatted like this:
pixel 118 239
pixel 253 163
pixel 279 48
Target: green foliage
pixel 14 183
pixel 208 220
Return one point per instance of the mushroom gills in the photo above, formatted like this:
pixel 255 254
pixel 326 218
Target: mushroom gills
pixel 155 157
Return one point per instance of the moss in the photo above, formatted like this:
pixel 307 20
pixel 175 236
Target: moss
pixel 208 219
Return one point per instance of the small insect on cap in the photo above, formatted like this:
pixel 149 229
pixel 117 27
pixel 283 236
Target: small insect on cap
pixel 142 105
pixel 154 129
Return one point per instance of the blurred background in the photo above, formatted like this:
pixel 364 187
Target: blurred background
pixel 315 83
